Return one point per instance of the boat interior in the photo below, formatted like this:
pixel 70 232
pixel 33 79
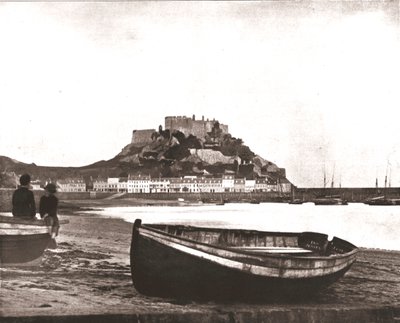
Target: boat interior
pixel 259 242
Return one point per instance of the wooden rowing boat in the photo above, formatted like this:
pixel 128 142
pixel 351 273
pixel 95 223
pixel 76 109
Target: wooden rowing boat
pixel 209 263
pixel 22 241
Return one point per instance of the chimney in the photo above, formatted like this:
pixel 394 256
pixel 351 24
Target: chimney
pixel 194 118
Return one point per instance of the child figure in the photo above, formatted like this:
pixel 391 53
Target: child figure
pixel 48 209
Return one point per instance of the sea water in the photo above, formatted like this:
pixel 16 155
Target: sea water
pixel 363 225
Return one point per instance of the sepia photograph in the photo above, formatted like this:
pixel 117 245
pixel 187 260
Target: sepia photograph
pixel 200 161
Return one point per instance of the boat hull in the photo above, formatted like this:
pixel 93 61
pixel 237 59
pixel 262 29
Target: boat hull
pixel 22 241
pixel 162 271
pixel 20 249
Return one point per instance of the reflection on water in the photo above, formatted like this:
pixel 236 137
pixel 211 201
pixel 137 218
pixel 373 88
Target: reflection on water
pixel 363 225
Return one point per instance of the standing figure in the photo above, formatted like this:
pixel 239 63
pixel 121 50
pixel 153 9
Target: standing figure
pixel 48 209
pixel 23 201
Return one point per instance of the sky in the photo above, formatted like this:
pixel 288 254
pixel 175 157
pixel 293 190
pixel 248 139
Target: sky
pixel 311 86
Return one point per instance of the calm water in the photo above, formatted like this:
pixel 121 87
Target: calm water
pixel 361 224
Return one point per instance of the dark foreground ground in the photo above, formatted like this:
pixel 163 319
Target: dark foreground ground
pixel 87 279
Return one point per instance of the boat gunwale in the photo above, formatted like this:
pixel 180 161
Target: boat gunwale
pixel 257 256
pixel 26 221
pixel 24 233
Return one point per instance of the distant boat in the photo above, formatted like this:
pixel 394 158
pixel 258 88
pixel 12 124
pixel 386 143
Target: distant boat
pixel 382 200
pixel 22 241
pixel 296 201
pixel 330 200
pixel 210 263
pixel 251 201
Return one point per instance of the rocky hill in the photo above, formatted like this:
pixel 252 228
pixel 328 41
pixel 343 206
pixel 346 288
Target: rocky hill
pixel 166 155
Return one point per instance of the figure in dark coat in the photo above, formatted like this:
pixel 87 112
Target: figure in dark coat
pixel 48 208
pixel 23 201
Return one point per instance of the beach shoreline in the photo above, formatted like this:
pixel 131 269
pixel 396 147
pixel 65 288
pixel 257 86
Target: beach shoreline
pixel 89 274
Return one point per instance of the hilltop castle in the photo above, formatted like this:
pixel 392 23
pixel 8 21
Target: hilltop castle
pixel 191 126
pixel 188 126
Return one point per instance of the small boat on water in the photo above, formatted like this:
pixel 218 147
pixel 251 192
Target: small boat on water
pixel 22 241
pixel 382 200
pixel 296 201
pixel 210 263
pixel 330 200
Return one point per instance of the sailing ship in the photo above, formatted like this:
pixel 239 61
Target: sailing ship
pixel 382 199
pixel 330 199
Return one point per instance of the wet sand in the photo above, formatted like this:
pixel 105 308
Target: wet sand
pixel 89 273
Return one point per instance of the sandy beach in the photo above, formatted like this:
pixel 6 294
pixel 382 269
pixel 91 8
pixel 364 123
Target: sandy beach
pixel 89 273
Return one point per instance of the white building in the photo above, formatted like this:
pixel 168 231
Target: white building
pixel 122 185
pixel 189 184
pixel 159 185
pixel 175 184
pixel 249 185
pixel 261 185
pixel 210 185
pixel 35 185
pixel 239 185
pixel 138 184
pixel 272 186
pixel 228 182
pixel 100 185
pixel 112 184
pixel 71 185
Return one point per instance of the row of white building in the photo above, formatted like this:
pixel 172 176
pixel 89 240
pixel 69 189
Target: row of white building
pixel 190 184
pixel 186 184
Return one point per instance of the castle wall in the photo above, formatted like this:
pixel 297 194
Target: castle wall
pixel 142 137
pixel 224 128
pixel 198 128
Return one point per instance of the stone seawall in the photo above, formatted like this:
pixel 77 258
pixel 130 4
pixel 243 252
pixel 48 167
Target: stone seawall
pixel 356 194
pixel 270 314
pixel 227 196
